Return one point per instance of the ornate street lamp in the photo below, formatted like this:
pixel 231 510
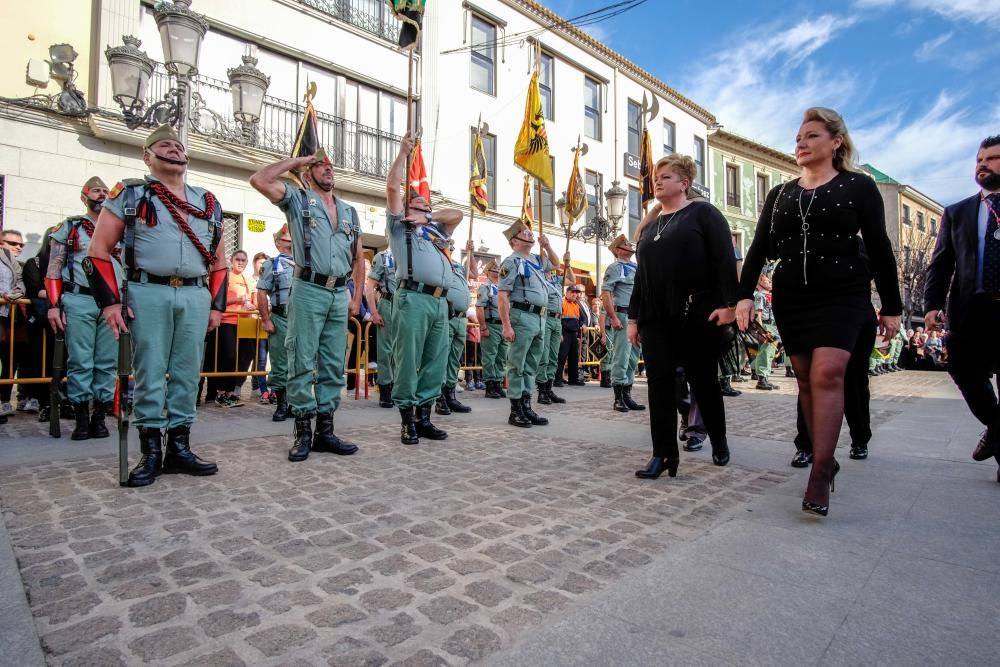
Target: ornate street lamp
pixel 181 32
pixel 248 85
pixel 130 72
pixel 616 203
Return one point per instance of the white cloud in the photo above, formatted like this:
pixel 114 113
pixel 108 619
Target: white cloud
pixel 928 50
pixel 962 11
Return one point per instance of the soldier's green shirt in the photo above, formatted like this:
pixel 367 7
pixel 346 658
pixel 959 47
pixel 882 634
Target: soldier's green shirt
pixel 486 298
pixel 554 286
pixel 458 288
pixel 524 277
pixel 762 305
pixel 332 241
pixel 430 265
pixel 384 271
pixel 72 234
pixel 276 276
pixel 162 249
pixel 619 279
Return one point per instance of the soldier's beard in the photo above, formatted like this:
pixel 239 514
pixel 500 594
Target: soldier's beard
pixel 95 206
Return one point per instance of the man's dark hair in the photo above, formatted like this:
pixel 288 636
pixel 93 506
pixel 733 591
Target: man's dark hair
pixel 990 142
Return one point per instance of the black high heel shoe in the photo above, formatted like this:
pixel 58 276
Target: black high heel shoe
pixel 656 466
pixel 816 508
pixel 720 453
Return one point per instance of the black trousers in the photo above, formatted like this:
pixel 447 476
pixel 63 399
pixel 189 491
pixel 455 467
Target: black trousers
pixel 227 358
pixel 569 354
pixel 974 358
pixel 857 398
pixel 694 346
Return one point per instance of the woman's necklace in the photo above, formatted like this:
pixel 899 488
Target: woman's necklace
pixel 805 231
pixel 660 228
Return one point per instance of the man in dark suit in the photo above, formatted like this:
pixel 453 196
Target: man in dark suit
pixel 967 257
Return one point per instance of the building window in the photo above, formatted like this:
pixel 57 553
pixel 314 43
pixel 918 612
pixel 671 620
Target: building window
pixel 933 227
pixel 592 108
pixel 634 210
pixel 594 183
pixel 732 185
pixel 906 215
pixel 490 150
pixel 634 139
pixel 546 85
pixel 669 137
pixel 763 185
pixel 699 160
pixel 484 55
pixel 920 220
pixel 548 207
pixel 232 232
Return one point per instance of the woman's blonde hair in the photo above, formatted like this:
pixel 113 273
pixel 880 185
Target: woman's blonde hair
pixel 845 157
pixel 682 165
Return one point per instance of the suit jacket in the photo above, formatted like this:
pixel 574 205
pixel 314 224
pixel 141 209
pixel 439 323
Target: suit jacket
pixel 951 274
pixel 8 260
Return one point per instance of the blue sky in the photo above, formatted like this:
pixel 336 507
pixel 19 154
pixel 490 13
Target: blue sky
pixel 916 80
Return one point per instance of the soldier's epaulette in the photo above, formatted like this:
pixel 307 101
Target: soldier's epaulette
pixel 121 185
pixel 134 181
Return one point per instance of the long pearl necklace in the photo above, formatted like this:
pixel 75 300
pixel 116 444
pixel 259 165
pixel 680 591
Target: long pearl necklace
pixel 805 230
pixel 660 228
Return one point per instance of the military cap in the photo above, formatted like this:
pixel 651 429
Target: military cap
pixel 281 231
pixel 321 157
pixel 164 132
pixel 93 182
pixel 621 241
pixel 515 229
pixel 491 267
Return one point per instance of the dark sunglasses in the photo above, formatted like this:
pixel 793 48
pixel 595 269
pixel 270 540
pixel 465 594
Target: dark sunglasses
pixel 16 244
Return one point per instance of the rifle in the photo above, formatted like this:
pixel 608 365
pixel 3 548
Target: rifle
pixel 125 342
pixel 58 371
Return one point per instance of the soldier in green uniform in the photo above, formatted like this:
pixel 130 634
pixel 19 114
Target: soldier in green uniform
pixel 616 292
pixel 419 240
pixel 326 245
pixel 380 288
pixel 762 363
pixel 458 330
pixel 92 352
pixel 523 302
pixel 493 345
pixel 553 328
pixel 176 280
pixel 273 296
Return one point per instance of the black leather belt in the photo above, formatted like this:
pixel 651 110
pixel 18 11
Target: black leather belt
pixel 384 296
pixel 329 282
pixel 528 308
pixel 73 288
pixel 494 320
pixel 763 321
pixel 414 286
pixel 278 310
pixel 457 313
pixel 138 276
pixel 621 309
pixel 555 314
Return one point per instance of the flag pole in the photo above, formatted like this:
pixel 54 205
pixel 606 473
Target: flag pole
pixel 475 157
pixel 409 128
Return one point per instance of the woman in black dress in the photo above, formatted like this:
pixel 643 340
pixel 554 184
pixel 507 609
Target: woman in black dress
pixel 684 298
pixel 822 284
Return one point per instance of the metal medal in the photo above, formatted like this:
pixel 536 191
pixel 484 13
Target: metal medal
pixel 996 234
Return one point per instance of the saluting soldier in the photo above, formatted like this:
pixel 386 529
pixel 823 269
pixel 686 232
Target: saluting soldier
pixel 616 292
pixel 92 352
pixel 273 296
pixel 172 250
pixel 458 330
pixel 326 245
pixel 553 327
pixel 494 347
pixel 380 288
pixel 762 363
pixel 523 302
pixel 420 241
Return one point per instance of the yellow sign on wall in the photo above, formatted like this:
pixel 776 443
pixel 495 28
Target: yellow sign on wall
pixel 255 225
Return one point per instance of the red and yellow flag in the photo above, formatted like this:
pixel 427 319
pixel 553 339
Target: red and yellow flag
pixel 479 198
pixel 531 152
pixel 576 193
pixel 526 216
pixel 419 185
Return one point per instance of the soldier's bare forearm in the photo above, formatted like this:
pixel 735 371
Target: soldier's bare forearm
pixel 503 305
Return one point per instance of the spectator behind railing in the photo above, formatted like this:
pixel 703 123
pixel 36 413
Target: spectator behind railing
pixel 11 287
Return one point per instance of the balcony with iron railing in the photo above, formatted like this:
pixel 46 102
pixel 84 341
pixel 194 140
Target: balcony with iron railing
pixel 349 144
pixel 372 16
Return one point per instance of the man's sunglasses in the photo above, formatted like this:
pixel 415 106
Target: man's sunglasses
pixel 16 244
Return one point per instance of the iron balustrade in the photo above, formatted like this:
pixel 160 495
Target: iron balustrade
pixel 373 16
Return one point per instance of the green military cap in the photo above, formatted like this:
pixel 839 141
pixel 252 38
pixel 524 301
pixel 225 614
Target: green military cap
pixel 515 229
pixel 491 267
pixel 164 132
pixel 621 241
pixel 93 182
pixel 321 157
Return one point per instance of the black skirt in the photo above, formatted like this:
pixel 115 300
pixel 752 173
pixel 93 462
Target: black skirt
pixel 807 320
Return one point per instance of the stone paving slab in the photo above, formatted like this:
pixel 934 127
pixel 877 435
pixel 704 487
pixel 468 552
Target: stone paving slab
pixel 436 554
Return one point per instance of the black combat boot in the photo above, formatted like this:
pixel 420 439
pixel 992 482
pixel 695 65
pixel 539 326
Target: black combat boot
pixel 627 398
pixel 150 466
pixel 179 459
pixel 97 427
pixel 500 389
pixel 532 416
pixel 619 404
pixel 453 403
pixel 325 441
pixel 281 410
pixel 82 415
pixel 605 380
pixel 441 404
pixel 408 430
pixel 303 439
pixel 492 389
pixel 543 397
pixel 425 429
pixel 552 394
pixel 385 396
pixel 517 417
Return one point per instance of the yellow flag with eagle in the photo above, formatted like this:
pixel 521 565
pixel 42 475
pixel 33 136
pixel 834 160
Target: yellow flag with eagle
pixel 479 198
pixel 531 152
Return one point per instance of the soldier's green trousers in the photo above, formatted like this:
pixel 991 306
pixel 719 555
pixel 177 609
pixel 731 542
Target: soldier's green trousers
pixel 420 350
pixel 457 332
pixel 91 349
pixel 610 343
pixel 762 363
pixel 525 352
pixel 895 349
pixel 385 334
pixel 494 350
pixel 278 377
pixel 169 325
pixel 624 356
pixel 316 343
pixel 550 349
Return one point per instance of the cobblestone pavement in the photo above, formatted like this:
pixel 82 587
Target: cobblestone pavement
pixel 429 555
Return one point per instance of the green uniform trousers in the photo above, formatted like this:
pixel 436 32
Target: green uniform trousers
pixel 895 349
pixel 624 356
pixel 762 363
pixel 525 352
pixel 420 351
pixel 92 351
pixel 458 329
pixel 167 334
pixel 494 350
pixel 316 345
pixel 278 377
pixel 550 349
pixel 610 343
pixel 385 334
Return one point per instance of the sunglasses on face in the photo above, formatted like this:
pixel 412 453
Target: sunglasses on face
pixel 16 244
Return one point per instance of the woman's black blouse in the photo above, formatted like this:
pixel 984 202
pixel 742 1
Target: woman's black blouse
pixel 694 255
pixel 828 257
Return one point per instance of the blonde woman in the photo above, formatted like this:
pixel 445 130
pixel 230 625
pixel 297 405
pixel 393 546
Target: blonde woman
pixel 821 287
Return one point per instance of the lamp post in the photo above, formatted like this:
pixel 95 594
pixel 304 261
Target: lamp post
pixel 248 85
pixel 600 229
